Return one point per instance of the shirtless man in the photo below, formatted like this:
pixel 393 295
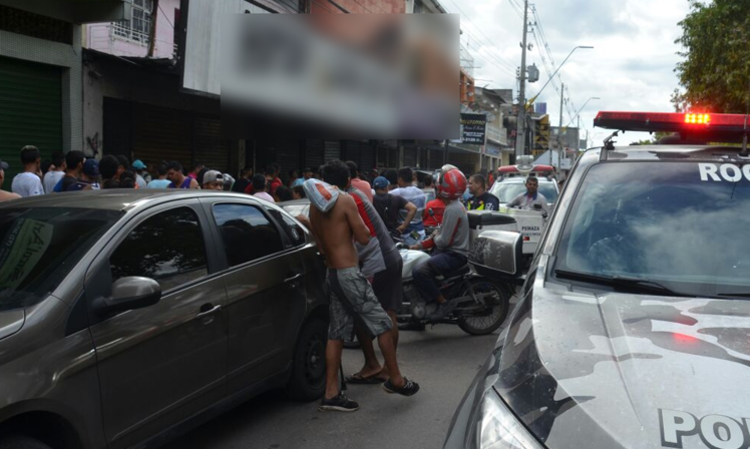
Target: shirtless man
pixel 352 297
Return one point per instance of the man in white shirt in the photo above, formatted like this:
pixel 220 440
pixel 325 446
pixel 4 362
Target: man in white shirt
pixel 29 182
pixel 532 197
pixel 260 187
pixel 53 176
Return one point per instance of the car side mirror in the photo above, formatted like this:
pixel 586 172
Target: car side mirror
pixel 497 254
pixel 128 293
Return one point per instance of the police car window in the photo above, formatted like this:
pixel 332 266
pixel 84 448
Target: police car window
pixel 668 222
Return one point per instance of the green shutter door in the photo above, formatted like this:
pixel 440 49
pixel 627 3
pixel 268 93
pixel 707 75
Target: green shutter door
pixel 30 111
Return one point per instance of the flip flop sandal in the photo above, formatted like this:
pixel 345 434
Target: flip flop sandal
pixel 357 379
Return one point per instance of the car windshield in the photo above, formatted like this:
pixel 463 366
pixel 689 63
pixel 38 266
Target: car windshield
pixel 506 191
pixel 39 246
pixel 666 222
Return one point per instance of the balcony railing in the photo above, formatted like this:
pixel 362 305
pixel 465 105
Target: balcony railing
pixel 104 36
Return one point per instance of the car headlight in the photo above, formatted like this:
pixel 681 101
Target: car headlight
pixel 498 427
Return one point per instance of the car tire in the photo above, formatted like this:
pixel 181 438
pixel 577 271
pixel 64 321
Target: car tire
pixel 21 442
pixel 308 381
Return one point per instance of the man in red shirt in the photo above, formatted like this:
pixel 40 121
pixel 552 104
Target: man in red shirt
pixel 272 176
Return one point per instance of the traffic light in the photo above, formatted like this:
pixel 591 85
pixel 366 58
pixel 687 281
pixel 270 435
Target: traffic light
pixel 541 135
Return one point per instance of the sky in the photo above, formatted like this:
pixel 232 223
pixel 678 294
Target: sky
pixel 631 67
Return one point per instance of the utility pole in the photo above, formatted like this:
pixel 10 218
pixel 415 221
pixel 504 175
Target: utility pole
pixel 152 28
pixel 521 125
pixel 560 129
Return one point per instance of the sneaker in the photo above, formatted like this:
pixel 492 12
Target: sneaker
pixel 339 403
pixel 409 389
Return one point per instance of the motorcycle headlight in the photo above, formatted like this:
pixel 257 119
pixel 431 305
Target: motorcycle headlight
pixel 498 427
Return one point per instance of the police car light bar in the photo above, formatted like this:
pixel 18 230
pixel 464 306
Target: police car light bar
pixel 728 128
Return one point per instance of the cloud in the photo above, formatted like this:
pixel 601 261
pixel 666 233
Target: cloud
pixel 631 67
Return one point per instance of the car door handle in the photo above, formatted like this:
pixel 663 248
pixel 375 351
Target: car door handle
pixel 207 310
pixel 293 278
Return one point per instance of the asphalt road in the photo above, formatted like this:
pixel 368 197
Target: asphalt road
pixel 443 360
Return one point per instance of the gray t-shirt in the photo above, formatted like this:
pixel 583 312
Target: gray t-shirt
pixel 27 184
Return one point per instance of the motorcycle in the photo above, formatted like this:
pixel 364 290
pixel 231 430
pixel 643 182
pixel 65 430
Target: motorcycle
pixel 481 304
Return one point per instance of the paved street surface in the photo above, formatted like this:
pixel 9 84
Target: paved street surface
pixel 444 360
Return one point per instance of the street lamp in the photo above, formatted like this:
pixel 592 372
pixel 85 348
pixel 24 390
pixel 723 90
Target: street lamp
pixel 588 47
pixel 579 111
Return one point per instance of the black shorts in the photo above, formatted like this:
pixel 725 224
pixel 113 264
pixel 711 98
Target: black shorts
pixel 387 286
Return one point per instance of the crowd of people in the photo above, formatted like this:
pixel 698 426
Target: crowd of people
pixel 73 171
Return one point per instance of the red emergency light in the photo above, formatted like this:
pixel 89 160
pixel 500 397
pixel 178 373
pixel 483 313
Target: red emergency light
pixel 508 169
pixel 727 128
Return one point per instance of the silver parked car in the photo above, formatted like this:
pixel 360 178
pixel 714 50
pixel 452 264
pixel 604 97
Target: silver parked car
pixel 127 317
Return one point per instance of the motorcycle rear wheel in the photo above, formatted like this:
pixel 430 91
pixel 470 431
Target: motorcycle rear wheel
pixel 492 316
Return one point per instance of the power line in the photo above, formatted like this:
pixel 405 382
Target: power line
pixel 501 59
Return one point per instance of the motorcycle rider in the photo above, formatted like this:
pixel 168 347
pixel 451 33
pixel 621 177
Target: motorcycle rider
pixel 451 241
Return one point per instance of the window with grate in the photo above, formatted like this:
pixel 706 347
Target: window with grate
pixel 138 26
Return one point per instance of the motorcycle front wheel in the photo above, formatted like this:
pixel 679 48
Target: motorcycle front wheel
pixel 483 319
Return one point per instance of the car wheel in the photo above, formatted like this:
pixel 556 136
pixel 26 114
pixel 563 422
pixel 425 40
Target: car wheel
pixel 21 442
pixel 308 379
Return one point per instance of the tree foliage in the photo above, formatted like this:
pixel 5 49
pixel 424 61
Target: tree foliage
pixel 715 74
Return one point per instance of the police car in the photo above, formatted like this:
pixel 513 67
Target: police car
pixel 632 329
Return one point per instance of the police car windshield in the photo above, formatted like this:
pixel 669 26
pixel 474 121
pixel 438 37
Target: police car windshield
pixel 681 224
pixel 506 191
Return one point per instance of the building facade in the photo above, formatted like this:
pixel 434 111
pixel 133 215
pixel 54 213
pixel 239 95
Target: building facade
pixel 41 76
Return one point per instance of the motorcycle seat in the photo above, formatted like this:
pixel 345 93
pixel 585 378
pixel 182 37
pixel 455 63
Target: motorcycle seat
pixel 457 273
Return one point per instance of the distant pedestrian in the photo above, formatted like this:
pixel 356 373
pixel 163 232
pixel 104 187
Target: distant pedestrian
pixel 5 196
pixel 178 178
pixel 74 166
pixel 260 187
pixel 161 182
pixel 140 173
pixel 196 169
pixel 389 208
pixel 88 178
pixel 109 167
pixel 245 180
pixel 357 182
pixel 298 192
pixel 481 199
pixel 56 172
pixel 415 230
pixel 124 165
pixel 213 180
pixel 294 178
pixel 272 176
pixel 127 180
pixel 29 183
pixel 283 193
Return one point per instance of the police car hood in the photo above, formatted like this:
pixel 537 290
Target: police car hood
pixel 633 371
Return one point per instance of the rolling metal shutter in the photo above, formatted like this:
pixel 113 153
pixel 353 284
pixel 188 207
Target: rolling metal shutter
pixel 30 111
pixel 118 127
pixel 210 149
pixel 410 156
pixel 353 152
pixel 332 150
pixel 314 153
pixel 162 134
pixel 368 158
